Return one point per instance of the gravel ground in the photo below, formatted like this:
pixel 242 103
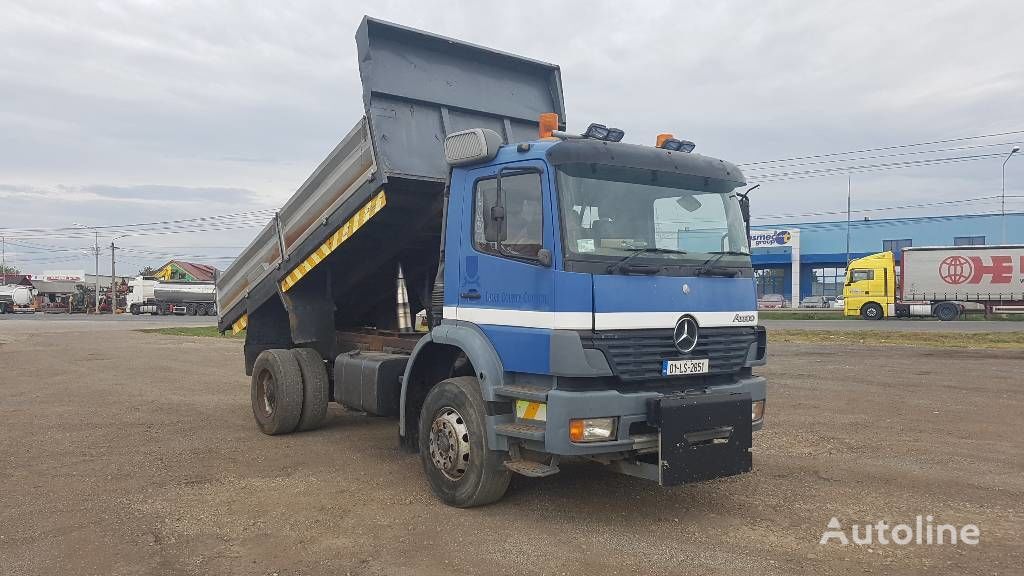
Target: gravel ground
pixel 136 453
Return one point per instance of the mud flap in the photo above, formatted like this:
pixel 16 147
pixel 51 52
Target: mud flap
pixel 702 437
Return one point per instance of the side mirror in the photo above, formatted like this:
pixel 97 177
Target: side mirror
pixel 544 257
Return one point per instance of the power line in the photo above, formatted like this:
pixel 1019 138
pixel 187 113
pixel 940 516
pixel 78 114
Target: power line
pixel 883 148
pixel 215 219
pixel 842 170
pixel 879 156
pixel 888 208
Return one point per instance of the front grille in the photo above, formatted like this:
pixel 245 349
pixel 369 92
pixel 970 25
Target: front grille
pixel 637 354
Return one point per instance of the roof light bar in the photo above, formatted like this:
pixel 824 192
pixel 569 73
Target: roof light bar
pixel 670 142
pixel 602 132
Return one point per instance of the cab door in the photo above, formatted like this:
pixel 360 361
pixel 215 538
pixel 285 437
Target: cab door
pixel 506 280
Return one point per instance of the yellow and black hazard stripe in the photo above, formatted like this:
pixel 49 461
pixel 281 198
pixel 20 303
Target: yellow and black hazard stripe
pixel 240 324
pixel 342 234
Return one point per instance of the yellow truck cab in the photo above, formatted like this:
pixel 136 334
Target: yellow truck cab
pixel 870 290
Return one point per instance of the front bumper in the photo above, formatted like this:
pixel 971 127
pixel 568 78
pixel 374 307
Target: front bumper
pixel 631 409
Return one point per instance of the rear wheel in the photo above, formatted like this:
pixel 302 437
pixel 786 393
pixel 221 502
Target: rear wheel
pixel 946 312
pixel 314 388
pixel 200 309
pixel 461 468
pixel 871 311
pixel 276 391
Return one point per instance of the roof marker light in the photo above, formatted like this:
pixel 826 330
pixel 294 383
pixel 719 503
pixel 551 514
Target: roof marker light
pixel 547 125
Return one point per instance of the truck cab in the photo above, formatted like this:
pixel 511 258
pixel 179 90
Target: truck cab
pixel 870 290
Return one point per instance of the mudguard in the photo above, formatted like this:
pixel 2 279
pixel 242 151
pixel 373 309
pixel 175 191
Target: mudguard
pixel 472 341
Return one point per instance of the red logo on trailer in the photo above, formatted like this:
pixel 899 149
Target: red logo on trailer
pixel 972 270
pixel 955 270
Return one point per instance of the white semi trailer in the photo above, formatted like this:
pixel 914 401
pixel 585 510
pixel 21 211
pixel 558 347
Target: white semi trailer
pixel 151 296
pixel 15 298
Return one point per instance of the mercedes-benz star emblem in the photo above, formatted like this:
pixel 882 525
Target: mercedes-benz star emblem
pixel 685 334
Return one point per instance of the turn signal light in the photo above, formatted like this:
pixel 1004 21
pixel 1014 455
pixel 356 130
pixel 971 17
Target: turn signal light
pixel 756 410
pixel 548 123
pixel 592 429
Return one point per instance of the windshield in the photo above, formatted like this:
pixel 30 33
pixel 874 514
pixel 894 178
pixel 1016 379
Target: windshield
pixel 610 212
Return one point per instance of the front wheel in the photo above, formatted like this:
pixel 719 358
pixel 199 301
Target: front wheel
pixel 871 311
pixel 461 468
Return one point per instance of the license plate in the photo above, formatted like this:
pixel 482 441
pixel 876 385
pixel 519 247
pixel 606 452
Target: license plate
pixel 684 367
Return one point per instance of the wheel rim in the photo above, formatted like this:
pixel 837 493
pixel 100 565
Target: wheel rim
pixel 265 393
pixel 449 443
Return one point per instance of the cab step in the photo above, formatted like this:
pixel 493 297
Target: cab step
pixel 534 393
pixel 521 430
pixel 531 468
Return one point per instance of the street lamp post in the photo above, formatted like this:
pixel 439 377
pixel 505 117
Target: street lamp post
pixel 1002 210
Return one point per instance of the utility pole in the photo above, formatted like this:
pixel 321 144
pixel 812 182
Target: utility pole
pixel 3 259
pixel 96 247
pixel 1002 210
pixel 849 194
pixel 113 286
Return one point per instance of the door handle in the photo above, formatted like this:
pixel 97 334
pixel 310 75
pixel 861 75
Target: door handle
pixel 470 294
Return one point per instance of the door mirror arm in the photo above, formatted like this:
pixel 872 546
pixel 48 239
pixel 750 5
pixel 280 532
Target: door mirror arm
pixel 544 257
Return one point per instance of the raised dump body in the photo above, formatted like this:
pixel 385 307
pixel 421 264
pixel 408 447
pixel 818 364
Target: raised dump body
pixel 417 89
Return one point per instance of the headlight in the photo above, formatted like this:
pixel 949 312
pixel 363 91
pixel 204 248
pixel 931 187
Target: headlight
pixel 592 429
pixel 756 410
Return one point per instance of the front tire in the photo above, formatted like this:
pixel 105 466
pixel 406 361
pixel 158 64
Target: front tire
pixel 461 468
pixel 276 392
pixel 871 311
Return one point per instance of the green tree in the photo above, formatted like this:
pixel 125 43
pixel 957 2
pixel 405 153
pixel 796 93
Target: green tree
pixel 8 269
pixel 147 271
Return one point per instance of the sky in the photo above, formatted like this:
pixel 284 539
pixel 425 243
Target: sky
pixel 115 113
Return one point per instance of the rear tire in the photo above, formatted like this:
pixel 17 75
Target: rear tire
pixel 461 468
pixel 314 388
pixel 200 309
pixel 946 312
pixel 871 311
pixel 276 391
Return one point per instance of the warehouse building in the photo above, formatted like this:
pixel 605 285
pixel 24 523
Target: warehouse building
pixel 809 258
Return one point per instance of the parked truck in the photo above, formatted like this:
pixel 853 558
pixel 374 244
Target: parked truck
pixel 586 298
pixel 16 298
pixel 939 281
pixel 160 297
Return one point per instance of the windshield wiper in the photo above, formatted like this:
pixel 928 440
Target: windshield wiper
pixel 708 267
pixel 613 268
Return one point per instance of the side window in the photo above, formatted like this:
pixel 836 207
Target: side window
pixel 523 214
pixel 858 275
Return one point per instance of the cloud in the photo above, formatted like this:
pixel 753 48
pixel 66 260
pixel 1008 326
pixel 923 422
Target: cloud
pixel 122 112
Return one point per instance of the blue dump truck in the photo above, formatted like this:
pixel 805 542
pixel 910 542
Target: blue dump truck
pixel 585 298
